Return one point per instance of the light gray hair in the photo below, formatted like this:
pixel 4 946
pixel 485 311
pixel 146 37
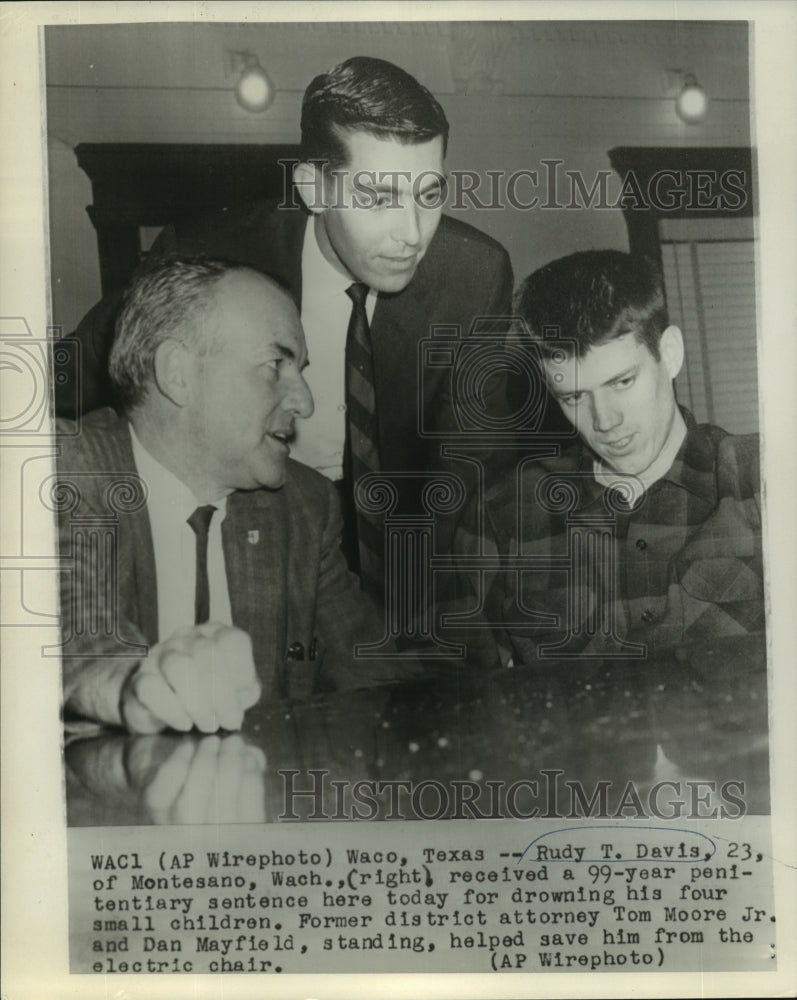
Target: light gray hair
pixel 167 300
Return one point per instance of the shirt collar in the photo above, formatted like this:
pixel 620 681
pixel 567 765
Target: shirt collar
pixel 321 282
pixel 318 274
pixel 692 468
pixel 164 490
pixel 659 468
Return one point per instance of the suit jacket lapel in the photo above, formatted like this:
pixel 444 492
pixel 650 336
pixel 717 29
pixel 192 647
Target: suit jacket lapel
pixel 399 322
pixel 282 250
pixel 142 552
pixel 146 581
pixel 255 553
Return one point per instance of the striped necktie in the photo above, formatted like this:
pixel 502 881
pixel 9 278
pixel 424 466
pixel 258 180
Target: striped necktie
pixel 362 437
pixel 200 522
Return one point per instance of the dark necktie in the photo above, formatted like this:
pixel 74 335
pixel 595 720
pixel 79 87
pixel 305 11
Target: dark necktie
pixel 200 522
pixel 362 436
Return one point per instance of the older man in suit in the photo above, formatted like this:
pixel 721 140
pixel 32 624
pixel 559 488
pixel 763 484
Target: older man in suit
pixel 374 266
pixel 228 579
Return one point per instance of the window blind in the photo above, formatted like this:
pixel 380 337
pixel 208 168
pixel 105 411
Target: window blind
pixel 709 276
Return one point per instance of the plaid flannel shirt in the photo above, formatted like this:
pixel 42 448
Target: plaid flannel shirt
pixel 577 573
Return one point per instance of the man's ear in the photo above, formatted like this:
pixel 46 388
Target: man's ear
pixel 671 350
pixel 172 370
pixel 308 179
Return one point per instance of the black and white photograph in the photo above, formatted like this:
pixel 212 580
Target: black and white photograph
pixel 396 502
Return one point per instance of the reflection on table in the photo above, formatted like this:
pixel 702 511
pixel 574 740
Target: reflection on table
pixel 563 739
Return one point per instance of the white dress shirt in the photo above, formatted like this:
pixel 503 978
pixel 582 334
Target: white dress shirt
pixel 326 309
pixel 169 504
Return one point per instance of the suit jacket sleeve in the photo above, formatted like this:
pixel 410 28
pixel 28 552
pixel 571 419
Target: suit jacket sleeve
pixel 346 617
pixel 101 642
pixel 107 572
pixel 500 299
pixel 474 294
pixel 82 382
pixel 474 594
pixel 499 304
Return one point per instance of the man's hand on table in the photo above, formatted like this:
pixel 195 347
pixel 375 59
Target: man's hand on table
pixel 206 779
pixel 202 677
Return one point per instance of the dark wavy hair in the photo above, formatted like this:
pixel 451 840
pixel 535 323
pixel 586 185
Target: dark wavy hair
pixel 366 95
pixel 591 297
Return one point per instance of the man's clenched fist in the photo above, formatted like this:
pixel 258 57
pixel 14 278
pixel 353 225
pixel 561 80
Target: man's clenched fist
pixel 202 677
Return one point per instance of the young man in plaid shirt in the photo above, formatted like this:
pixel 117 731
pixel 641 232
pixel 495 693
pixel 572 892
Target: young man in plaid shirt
pixel 642 537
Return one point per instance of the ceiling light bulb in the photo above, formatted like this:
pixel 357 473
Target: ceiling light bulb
pixel 254 90
pixel 692 103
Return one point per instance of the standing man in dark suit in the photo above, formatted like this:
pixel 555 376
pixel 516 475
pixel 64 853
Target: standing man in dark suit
pixel 371 180
pixel 224 576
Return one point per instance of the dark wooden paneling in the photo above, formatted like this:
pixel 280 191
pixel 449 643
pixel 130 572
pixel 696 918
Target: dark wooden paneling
pixel 697 182
pixel 152 184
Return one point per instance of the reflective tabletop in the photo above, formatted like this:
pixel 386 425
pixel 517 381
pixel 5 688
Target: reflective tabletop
pixel 686 735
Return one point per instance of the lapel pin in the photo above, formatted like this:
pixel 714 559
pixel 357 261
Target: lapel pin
pixel 253 537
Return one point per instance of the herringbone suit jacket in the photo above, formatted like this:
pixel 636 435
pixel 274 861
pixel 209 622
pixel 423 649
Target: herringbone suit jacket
pixel 287 579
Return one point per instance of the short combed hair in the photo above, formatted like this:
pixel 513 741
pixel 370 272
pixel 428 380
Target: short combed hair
pixel 592 297
pixel 167 300
pixel 367 95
